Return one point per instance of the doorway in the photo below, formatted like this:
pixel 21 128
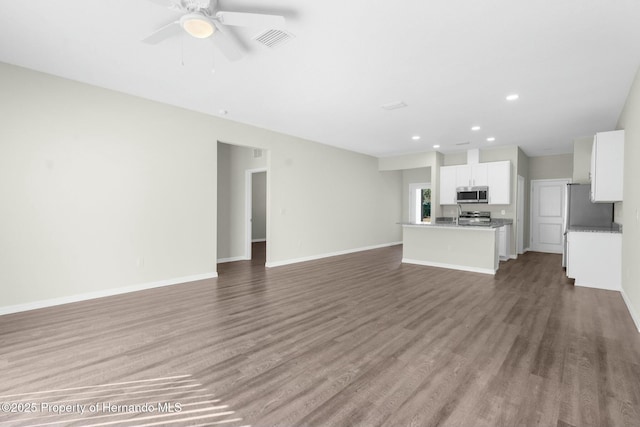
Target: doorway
pixel 419 202
pixel 255 209
pixel 238 168
pixel 548 200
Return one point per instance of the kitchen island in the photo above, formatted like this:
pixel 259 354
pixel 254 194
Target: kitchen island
pixel 594 256
pixel 450 245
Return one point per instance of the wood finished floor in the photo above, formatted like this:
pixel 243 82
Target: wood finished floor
pixel 358 339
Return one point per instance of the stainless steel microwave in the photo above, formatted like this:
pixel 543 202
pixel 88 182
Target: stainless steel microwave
pixel 472 194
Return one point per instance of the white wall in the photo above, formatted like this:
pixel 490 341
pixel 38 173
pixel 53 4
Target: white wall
pixel 99 190
pixel 93 181
pixel 259 206
pixel 457 158
pixel 582 159
pixel 558 166
pixel 325 200
pixel 630 122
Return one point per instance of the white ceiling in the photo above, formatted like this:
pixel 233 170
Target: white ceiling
pixel 451 61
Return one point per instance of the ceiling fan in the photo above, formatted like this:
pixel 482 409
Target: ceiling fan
pixel 202 19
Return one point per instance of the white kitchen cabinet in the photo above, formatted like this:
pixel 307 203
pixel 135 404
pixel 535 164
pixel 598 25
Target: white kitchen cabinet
pixel 495 175
pixel 499 182
pixel 479 174
pixel 448 185
pixel 607 166
pixel 504 238
pixel 594 259
pixel 463 176
pixel 471 175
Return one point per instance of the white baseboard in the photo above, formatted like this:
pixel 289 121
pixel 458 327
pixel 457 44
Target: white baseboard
pixel 104 293
pixel 590 286
pixel 450 266
pixel 632 312
pixel 314 257
pixel 513 256
pixel 233 258
pixel 258 240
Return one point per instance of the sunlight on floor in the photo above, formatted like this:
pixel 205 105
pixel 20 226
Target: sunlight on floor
pixel 150 402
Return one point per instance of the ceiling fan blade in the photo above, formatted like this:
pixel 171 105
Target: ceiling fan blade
pixel 165 3
pixel 227 44
pixel 163 33
pixel 250 19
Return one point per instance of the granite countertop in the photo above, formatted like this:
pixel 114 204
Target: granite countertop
pixel 613 228
pixel 450 222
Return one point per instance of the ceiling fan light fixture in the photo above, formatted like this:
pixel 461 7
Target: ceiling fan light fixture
pixel 197 25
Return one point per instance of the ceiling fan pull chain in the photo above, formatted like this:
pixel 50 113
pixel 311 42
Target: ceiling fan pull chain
pixel 213 63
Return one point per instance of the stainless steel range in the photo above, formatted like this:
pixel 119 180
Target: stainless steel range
pixel 474 218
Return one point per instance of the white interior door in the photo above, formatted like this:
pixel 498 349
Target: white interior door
pixel 548 199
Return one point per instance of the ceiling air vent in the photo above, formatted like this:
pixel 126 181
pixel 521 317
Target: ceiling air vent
pixel 273 38
pixel 394 105
pixel 463 143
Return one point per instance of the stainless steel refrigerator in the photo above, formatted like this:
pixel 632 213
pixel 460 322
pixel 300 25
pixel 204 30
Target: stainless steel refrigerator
pixel 581 211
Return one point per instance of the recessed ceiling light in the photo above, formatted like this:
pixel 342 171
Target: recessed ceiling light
pixel 513 97
pixel 415 137
pixel 475 128
pixel 491 139
pixel 436 146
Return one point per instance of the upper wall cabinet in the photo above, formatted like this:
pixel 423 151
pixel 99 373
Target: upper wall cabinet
pixel 448 185
pixel 499 182
pixel 471 175
pixel 607 166
pixel 495 175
